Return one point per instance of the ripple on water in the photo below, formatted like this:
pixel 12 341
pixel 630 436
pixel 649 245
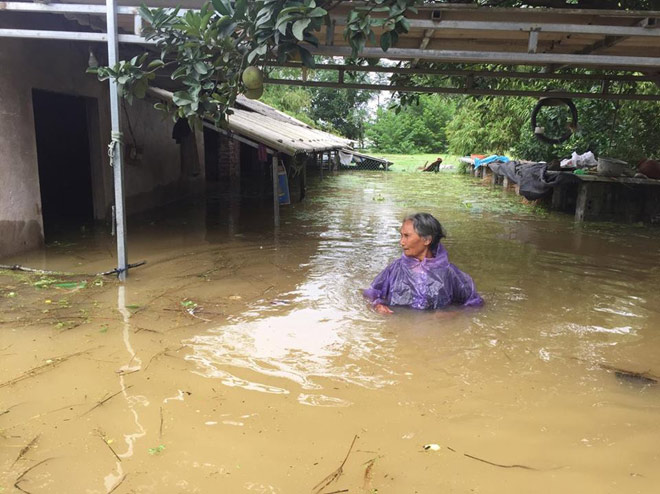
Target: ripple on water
pixel 301 349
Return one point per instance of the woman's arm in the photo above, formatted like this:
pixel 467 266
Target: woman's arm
pixel 464 291
pixel 379 291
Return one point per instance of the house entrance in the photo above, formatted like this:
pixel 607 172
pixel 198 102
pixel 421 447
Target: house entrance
pixel 63 153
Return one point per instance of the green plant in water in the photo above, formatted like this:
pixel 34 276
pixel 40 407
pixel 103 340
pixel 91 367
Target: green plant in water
pixel 44 282
pixel 157 450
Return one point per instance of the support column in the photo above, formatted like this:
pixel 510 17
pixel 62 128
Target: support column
pixel 116 159
pixel 276 193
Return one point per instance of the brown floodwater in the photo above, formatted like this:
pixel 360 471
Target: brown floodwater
pixel 243 359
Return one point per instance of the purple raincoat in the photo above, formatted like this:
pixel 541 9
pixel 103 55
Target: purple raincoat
pixel 429 284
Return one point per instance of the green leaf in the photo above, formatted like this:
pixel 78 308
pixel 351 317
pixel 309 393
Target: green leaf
pixel 259 50
pixel 306 57
pixel 240 9
pixel 291 10
pixel 222 6
pixel 299 28
pixel 311 39
pixel 182 98
pixel 155 64
pixel 157 450
pixel 201 68
pixel 180 72
pixel 317 12
pixel 405 24
pixel 385 41
pixel 282 28
pixel 145 13
pixel 263 16
pixel 140 89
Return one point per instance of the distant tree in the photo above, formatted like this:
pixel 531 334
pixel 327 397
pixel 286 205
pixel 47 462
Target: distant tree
pixel 342 110
pixel 292 100
pixel 413 128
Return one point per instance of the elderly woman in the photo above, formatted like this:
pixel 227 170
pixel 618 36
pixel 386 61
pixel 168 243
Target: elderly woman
pixel 423 277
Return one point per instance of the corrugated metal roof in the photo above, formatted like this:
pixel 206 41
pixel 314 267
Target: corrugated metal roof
pixel 282 136
pixel 288 137
pixel 257 106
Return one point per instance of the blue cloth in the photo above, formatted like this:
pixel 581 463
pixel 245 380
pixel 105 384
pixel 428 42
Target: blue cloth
pixel 432 283
pixel 493 157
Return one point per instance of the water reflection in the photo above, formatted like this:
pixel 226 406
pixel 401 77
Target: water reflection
pixel 300 347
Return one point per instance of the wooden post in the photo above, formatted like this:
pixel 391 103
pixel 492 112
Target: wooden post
pixel 507 184
pixel 276 193
pixel 589 201
pixel 559 198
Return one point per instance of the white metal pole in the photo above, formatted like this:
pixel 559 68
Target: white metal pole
pixel 116 160
pixel 276 192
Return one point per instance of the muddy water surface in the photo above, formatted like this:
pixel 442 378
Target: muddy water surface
pixel 240 359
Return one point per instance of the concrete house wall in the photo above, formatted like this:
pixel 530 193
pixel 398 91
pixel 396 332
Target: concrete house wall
pixel 157 175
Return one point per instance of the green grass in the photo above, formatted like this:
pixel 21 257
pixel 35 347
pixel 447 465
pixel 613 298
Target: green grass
pixel 412 162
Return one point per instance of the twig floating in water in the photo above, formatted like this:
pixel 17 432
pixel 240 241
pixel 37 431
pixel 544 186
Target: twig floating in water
pixel 160 429
pixel 644 378
pixel 117 484
pixel 18 267
pixel 369 474
pixel 334 475
pixel 500 465
pixel 524 467
pixel 26 448
pixel 7 410
pixel 40 368
pixel 108 445
pixel 98 404
pixel 159 354
pixel 21 476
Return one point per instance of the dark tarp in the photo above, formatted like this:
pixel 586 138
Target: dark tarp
pixel 532 178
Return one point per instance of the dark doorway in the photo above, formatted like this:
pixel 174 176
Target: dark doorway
pixel 65 175
pixel 211 155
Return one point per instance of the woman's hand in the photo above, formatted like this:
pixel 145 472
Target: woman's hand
pixel 383 309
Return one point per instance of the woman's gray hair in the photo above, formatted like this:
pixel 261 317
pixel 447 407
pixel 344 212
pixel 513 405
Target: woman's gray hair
pixel 426 225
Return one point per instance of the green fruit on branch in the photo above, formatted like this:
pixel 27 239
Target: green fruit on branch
pixel 254 93
pixel 253 78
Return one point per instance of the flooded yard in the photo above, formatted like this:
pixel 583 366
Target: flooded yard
pixel 244 359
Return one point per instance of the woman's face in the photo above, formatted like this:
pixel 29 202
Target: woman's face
pixel 412 244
